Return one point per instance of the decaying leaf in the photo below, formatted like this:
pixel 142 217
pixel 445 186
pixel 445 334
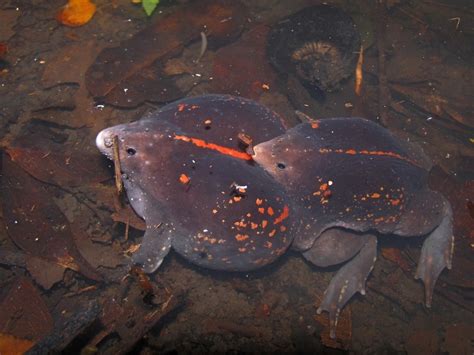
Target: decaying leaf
pixel 395 256
pixel 35 223
pixel 246 56
pixel 59 164
pixel 45 273
pixel 133 73
pixel 24 314
pixel 76 13
pixel 69 63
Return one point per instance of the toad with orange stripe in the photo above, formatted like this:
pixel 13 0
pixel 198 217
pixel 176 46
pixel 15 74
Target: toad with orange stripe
pixel 240 212
pixel 218 221
pixel 356 155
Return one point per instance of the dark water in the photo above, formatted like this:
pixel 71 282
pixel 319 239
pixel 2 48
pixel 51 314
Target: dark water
pixel 66 238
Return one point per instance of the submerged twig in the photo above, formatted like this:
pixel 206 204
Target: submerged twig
pixel 358 72
pixel 203 46
pixel 117 167
pixel 384 93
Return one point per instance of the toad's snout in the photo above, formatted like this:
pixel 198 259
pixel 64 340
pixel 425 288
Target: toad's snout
pixel 105 141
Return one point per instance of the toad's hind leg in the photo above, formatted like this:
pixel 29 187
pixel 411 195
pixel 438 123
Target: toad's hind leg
pixel 437 251
pixel 335 246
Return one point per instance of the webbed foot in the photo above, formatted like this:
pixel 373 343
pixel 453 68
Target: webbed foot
pixel 436 253
pixel 348 280
pixel 338 245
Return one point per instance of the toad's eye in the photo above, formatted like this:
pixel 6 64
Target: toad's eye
pixel 131 151
pixel 281 166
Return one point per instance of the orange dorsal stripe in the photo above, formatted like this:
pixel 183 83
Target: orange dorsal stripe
pixel 368 152
pixel 218 148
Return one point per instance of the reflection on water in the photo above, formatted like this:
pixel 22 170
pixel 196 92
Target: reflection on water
pixel 67 237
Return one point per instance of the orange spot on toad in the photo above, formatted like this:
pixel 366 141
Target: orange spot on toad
pixel 284 215
pixel 395 202
pixel 258 201
pixel 184 179
pixel 264 223
pixel 272 233
pixel 241 237
pixel 375 195
pixel 261 210
pixel 327 194
pixel 378 220
pixel 270 211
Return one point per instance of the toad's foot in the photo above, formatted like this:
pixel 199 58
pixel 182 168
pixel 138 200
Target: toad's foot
pixel 352 276
pixel 348 280
pixel 437 253
pixel 155 246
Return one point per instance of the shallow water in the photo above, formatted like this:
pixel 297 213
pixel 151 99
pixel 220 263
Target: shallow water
pixel 66 239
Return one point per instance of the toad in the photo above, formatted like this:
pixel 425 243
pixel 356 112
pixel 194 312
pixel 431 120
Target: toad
pixel 189 177
pixel 353 181
pixel 324 188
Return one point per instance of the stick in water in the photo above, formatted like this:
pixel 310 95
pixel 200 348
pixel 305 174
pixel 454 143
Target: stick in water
pixel 118 169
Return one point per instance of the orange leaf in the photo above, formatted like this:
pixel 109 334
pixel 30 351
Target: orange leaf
pixel 76 13
pixel 13 345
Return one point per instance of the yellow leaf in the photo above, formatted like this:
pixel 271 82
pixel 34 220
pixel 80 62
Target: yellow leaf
pixel 76 13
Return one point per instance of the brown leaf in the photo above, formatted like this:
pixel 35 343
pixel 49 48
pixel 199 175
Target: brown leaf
pixel 458 338
pixel 96 254
pixel 127 74
pixel 24 313
pixel 395 256
pixel 45 273
pixel 59 164
pixel 35 223
pixel 9 19
pixel 246 56
pixel 70 64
